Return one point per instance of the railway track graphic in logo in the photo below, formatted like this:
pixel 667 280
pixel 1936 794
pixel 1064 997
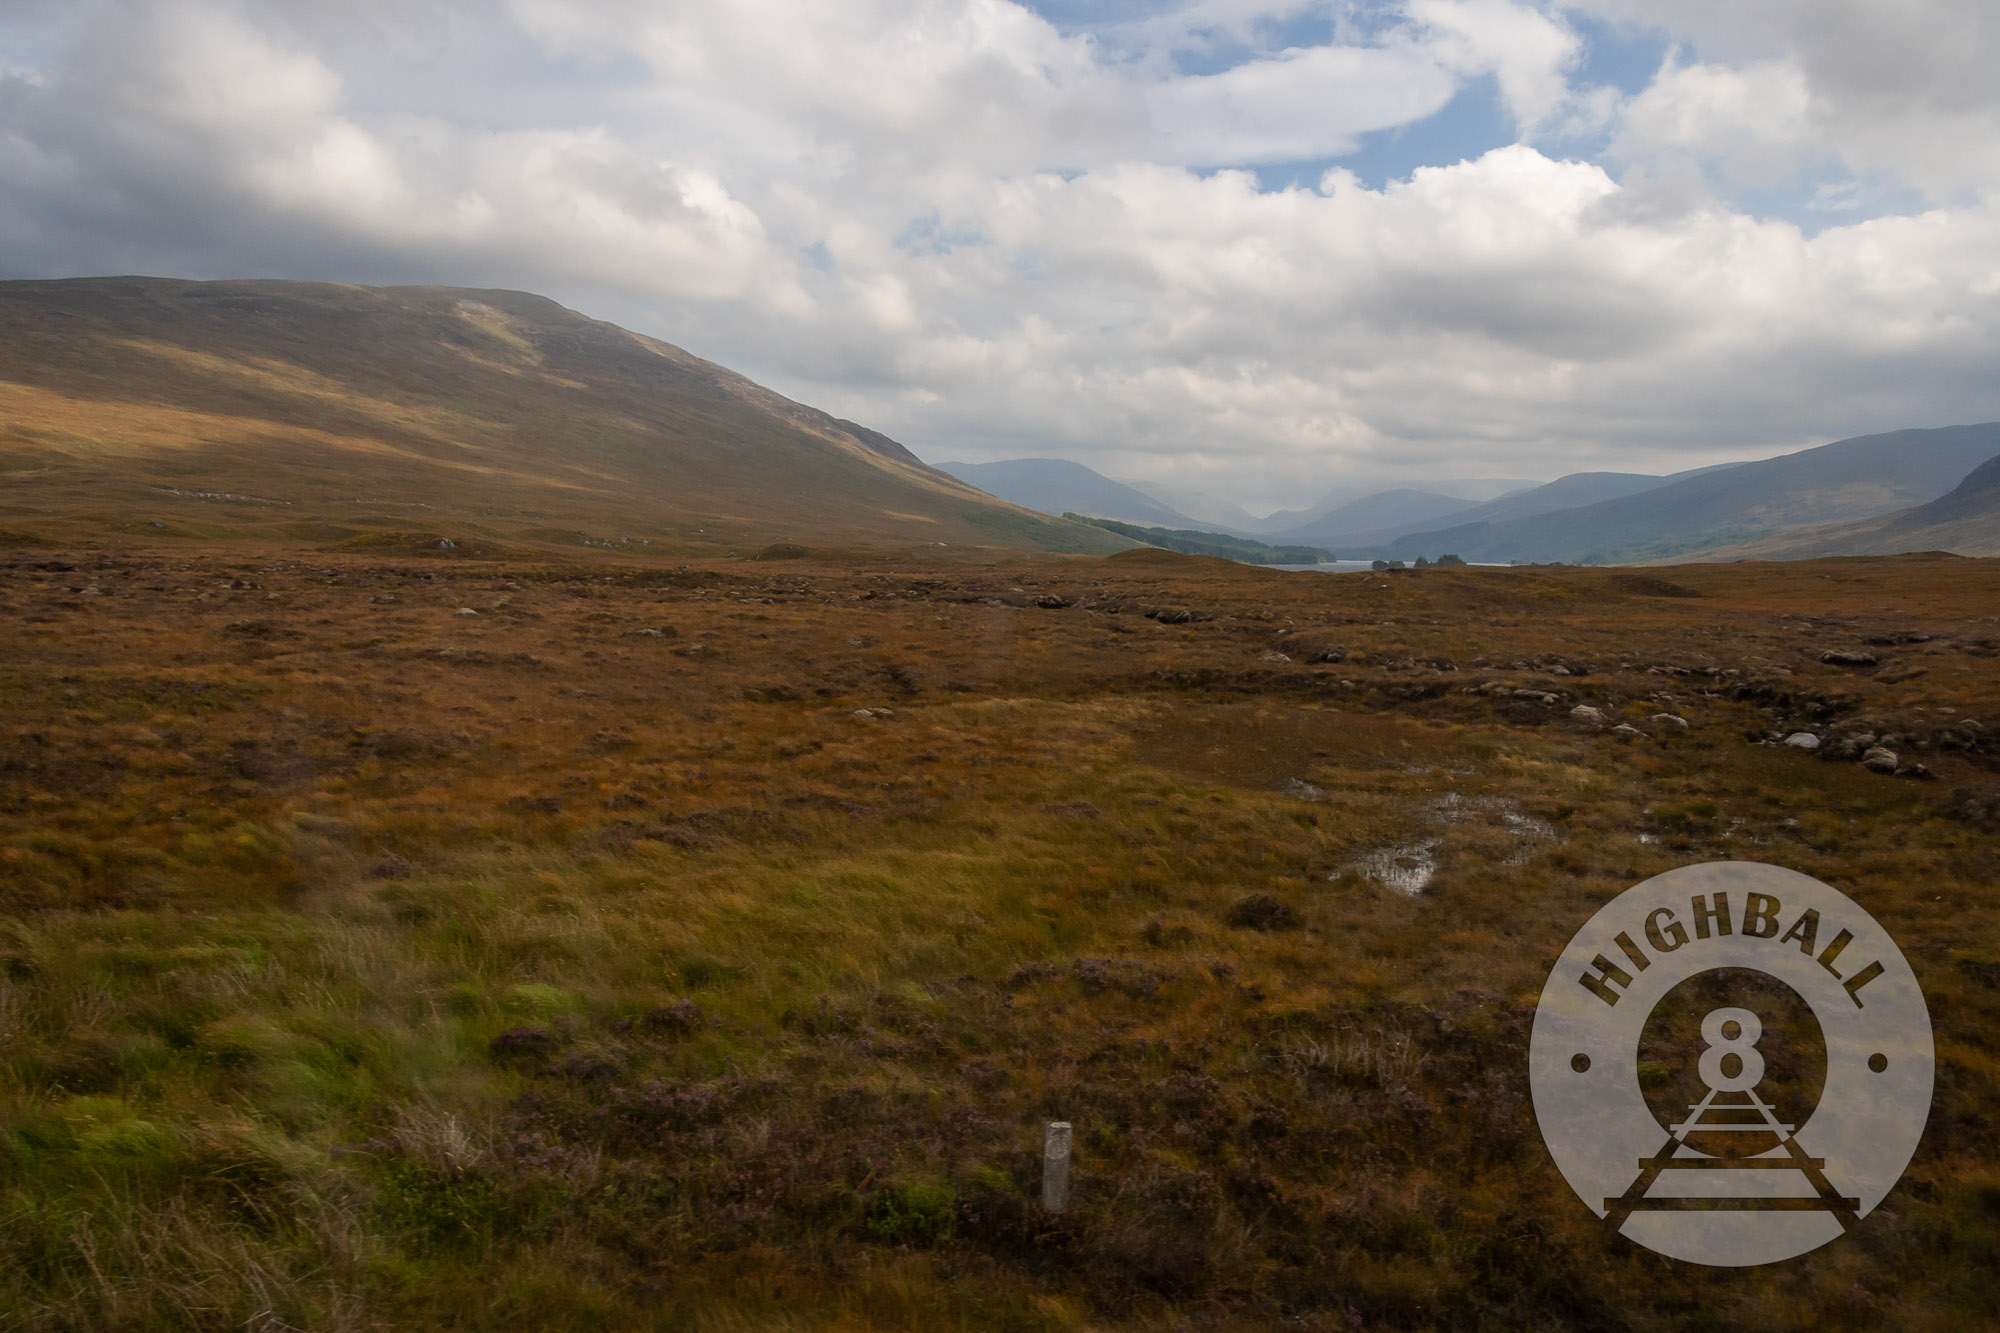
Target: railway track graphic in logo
pixel 1731 1063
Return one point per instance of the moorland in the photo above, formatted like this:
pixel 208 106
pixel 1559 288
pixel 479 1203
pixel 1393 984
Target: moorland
pixel 398 935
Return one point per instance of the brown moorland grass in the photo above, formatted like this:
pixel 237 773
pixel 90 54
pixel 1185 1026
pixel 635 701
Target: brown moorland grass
pixel 396 938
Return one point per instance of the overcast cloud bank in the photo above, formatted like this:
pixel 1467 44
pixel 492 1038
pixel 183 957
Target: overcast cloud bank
pixel 994 234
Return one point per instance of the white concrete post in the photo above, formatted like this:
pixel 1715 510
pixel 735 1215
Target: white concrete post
pixel 1055 1166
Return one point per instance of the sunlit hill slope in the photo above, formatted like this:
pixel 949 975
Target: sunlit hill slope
pixel 326 415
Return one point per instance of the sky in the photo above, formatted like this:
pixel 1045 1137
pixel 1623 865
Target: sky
pixel 1252 248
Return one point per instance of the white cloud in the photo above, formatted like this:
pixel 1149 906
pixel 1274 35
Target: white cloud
pixel 1754 123
pixel 187 115
pixel 952 221
pixel 1905 89
pixel 1298 105
pixel 904 83
pixel 1528 51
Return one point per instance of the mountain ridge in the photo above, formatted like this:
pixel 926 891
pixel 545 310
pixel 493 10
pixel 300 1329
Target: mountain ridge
pixel 501 412
pixel 1963 521
pixel 1857 478
pixel 1058 486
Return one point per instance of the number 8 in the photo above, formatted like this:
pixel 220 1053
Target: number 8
pixel 1722 1044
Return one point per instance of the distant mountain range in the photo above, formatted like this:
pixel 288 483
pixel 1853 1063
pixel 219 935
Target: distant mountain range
pixel 1731 508
pixel 319 413
pixel 1347 513
pixel 1869 494
pixel 1964 520
pixel 1056 486
pixel 1211 511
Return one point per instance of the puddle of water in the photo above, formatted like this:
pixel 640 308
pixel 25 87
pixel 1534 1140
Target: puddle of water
pixel 1532 836
pixel 1411 867
pixel 1408 868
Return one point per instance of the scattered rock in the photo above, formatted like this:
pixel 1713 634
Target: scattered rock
pixel 1674 720
pixel 1274 657
pixel 1803 740
pixel 465 611
pixel 1880 760
pixel 1848 657
pixel 1557 665
pixel 1627 730
pixel 1048 601
pixel 1261 911
pixel 1590 717
pixel 446 544
pixel 1917 771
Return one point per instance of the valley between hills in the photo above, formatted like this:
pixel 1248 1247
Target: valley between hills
pixel 416 915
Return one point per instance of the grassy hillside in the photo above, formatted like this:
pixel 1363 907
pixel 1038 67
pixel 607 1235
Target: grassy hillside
pixel 1853 479
pixel 1963 521
pixel 315 413
pixel 505 945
